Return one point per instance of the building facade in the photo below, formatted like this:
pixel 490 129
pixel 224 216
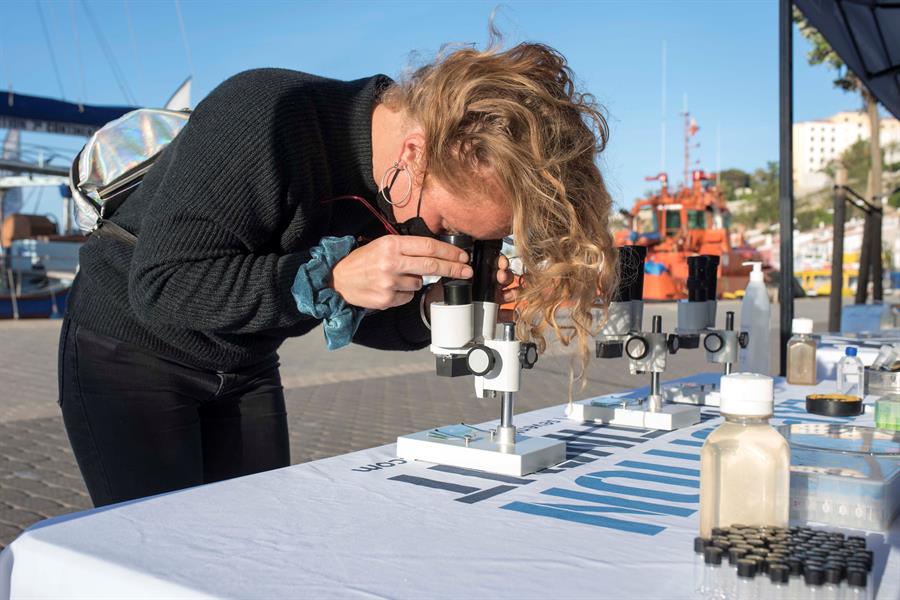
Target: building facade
pixel 817 143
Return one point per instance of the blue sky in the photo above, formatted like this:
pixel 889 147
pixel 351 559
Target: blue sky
pixel 723 54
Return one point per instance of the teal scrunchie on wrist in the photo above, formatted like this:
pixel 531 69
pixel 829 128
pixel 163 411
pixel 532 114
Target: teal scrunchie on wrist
pixel 316 298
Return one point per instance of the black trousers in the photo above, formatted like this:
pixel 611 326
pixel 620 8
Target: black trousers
pixel 140 424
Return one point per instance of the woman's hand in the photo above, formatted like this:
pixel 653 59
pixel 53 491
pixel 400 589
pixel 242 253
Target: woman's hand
pixel 505 277
pixel 388 271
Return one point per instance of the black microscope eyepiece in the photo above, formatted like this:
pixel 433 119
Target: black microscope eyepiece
pixel 712 276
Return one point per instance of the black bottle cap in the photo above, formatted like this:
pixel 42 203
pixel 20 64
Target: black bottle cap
pixel 457 292
pixel 814 576
pixel 779 573
pixel 858 565
pixel 746 568
pixel 856 539
pixel 833 574
pixel 796 566
pixel 857 578
pixel 712 555
pixel 717 531
pixel 723 543
pixel 755 542
pixel 700 544
pixel 736 554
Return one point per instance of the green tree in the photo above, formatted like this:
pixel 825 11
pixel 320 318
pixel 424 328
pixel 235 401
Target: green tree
pixel 761 203
pixel 731 180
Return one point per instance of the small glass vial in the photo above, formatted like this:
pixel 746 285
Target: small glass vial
pixel 747 588
pixel 713 574
pixel 801 353
pixel 856 585
pixel 744 463
pixel 779 578
pixel 887 412
pixel 850 374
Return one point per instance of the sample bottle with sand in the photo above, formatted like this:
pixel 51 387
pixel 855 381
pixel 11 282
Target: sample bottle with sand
pixel 745 462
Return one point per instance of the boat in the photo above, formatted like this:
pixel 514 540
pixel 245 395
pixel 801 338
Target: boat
pixel 674 226
pixel 38 267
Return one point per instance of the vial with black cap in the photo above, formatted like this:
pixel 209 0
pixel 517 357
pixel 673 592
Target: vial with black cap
pixel 714 573
pixel 747 587
pixel 857 585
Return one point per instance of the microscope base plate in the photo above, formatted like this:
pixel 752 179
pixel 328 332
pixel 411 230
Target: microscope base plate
pixel 527 455
pixel 672 416
pixel 698 394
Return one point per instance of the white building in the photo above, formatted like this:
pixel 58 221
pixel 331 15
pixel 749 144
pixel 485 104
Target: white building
pixel 816 143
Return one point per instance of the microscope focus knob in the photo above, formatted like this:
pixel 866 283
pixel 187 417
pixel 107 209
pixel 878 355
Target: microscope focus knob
pixel 743 339
pixel 528 355
pixel 636 348
pixel 480 360
pixel 713 342
pixel 672 344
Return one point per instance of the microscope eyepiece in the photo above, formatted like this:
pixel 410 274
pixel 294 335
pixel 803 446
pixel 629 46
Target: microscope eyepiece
pixel 696 281
pixel 630 267
pixel 460 240
pixel 712 276
pixel 485 254
pixel 457 292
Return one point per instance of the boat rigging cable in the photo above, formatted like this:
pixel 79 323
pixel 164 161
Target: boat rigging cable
pixel 77 35
pixel 59 82
pixel 134 46
pixel 110 57
pixel 184 38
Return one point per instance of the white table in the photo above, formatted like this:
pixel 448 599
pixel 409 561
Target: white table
pixel 615 521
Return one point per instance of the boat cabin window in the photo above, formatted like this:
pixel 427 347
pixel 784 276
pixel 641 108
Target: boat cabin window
pixel 673 221
pixel 696 219
pixel 645 221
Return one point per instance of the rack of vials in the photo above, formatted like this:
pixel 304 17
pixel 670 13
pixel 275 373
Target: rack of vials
pixel 772 563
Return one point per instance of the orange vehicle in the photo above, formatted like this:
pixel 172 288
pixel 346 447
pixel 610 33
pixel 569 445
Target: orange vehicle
pixel 693 221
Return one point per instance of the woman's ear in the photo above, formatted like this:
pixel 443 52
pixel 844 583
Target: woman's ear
pixel 413 154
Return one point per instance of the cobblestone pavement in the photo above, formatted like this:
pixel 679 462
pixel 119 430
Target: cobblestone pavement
pixel 337 402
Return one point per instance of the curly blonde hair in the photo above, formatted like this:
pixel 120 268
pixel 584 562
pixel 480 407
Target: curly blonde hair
pixel 517 113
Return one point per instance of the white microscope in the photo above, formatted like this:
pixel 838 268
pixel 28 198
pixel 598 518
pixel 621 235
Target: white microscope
pixel 696 321
pixel 464 341
pixel 646 351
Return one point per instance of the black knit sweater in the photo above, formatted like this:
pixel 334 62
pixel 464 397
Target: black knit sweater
pixel 226 216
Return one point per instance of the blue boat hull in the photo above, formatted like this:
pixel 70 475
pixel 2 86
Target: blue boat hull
pixel 36 305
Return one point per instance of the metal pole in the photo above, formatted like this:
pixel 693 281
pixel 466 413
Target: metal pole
pixel 875 198
pixel 507 399
pixel 865 261
pixel 835 300
pixel 785 170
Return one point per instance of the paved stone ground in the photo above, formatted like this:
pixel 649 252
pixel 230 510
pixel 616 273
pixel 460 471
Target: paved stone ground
pixel 337 402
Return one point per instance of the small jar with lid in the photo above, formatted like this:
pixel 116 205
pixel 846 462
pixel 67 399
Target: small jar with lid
pixel 801 353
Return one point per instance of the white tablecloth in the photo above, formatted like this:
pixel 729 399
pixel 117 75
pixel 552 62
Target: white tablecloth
pixel 615 521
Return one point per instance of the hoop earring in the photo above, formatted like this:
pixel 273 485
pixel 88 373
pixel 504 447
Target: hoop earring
pixel 396 169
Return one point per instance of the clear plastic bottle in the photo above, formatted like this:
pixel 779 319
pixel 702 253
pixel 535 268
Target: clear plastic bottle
pixel 744 463
pixel 850 374
pixel 755 317
pixel 887 412
pixel 801 353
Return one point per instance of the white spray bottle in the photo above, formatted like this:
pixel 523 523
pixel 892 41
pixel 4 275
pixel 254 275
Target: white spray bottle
pixel 755 313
